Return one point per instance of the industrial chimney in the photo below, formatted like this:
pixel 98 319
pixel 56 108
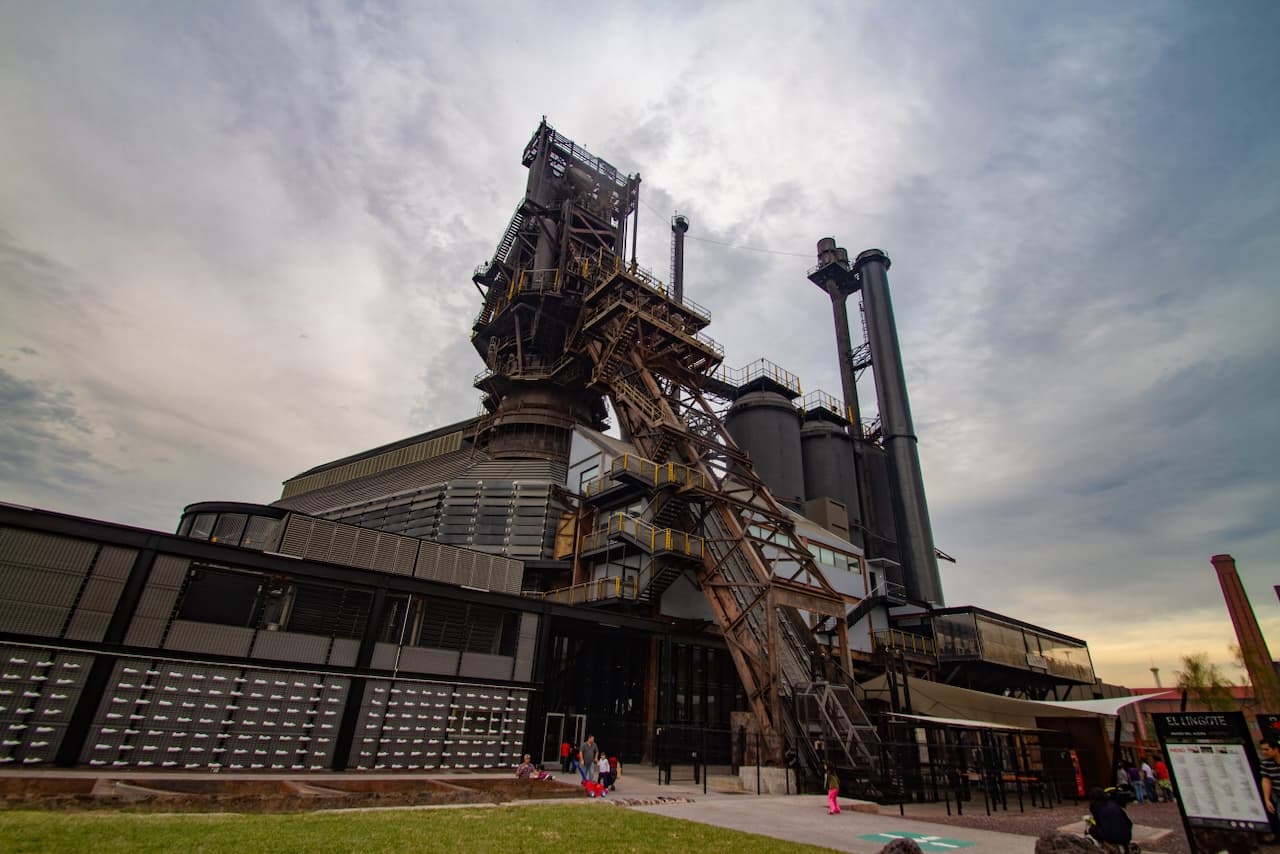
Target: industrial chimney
pixel 910 511
pixel 679 228
pixel 1253 646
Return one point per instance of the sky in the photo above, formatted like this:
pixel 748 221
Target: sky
pixel 236 241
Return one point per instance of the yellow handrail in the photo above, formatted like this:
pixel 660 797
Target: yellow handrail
pixel 908 641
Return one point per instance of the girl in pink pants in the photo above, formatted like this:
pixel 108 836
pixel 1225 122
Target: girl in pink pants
pixel 833 789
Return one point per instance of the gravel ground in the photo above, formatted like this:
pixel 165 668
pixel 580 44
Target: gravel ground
pixel 1036 821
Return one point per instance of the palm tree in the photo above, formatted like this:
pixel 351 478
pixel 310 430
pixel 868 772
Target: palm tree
pixel 1205 684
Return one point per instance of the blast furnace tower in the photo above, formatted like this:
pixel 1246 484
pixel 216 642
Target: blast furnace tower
pixel 568 320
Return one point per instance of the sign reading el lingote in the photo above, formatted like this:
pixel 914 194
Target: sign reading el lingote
pixel 1214 768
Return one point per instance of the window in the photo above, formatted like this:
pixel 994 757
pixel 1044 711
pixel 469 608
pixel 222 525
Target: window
pixel 202 528
pixel 232 597
pixel 219 595
pixel 446 624
pixel 229 528
pixel 258 531
pixel 588 473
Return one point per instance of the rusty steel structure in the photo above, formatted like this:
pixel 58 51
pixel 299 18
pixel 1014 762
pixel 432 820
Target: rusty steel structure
pixel 568 321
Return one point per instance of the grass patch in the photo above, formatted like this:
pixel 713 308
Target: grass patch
pixel 499 829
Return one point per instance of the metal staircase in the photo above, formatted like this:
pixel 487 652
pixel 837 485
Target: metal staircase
pixel 761 583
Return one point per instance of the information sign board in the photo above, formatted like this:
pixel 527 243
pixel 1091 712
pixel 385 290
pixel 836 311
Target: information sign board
pixel 1214 769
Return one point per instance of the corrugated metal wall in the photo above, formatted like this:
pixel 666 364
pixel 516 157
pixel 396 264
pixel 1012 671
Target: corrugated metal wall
pixel 335 542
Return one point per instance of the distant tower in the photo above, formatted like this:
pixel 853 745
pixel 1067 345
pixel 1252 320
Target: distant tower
pixel 679 228
pixel 1253 646
pixel 1155 674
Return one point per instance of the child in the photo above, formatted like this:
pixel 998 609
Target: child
pixel 603 768
pixel 833 789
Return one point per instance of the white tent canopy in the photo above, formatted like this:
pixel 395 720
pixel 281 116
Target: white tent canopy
pixel 1106 706
pixel 943 702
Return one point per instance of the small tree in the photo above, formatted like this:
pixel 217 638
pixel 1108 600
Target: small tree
pixel 1205 684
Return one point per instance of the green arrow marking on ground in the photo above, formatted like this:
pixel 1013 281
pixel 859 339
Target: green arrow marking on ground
pixel 926 843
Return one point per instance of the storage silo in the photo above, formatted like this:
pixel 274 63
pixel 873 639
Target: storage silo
pixel 766 424
pixel 827 454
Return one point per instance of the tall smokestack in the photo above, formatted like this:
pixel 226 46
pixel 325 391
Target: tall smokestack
pixel 1253 646
pixel 910 511
pixel 679 227
pixel 834 276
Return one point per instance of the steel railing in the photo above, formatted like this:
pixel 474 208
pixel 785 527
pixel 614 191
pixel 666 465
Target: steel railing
pixel 759 369
pixel 655 539
pixel 599 590
pixel 895 639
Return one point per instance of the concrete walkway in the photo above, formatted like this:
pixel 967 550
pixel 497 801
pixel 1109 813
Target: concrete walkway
pixel 804 818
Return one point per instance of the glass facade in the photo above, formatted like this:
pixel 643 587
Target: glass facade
pixel 231 528
pixel 956 636
pixel 973 635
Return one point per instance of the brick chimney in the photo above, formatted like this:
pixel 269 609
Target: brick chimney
pixel 1253 647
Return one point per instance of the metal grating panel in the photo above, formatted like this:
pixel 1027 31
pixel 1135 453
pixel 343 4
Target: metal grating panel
pixel 100 595
pixel 173 714
pixel 39 688
pixel 29 548
pixel 335 542
pixel 209 637
pixel 408 724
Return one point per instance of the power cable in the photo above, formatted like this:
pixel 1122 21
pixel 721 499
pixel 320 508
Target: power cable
pixel 748 248
pixel 742 247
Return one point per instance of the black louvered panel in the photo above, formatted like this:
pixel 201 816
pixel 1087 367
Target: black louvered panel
pixel 329 611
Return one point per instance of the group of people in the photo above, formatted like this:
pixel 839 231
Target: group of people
pixel 599 771
pixel 1145 781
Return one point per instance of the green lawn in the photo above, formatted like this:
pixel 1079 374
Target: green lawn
pixel 510 830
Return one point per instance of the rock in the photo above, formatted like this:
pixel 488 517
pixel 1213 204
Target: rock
pixel 1057 842
pixel 901 846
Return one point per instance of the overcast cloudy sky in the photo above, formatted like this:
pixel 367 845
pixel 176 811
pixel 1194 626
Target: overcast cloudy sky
pixel 236 241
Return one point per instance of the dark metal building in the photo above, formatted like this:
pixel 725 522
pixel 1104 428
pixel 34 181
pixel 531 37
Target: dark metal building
pixel 510 581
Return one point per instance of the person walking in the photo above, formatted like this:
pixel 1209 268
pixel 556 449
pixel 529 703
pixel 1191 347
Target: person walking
pixel 833 789
pixel 565 751
pixel 589 758
pixel 615 771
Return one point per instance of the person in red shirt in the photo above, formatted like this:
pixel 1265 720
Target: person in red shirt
pixel 564 756
pixel 1164 786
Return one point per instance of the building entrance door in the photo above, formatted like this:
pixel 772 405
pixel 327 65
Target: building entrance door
pixel 552 736
pixel 557 729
